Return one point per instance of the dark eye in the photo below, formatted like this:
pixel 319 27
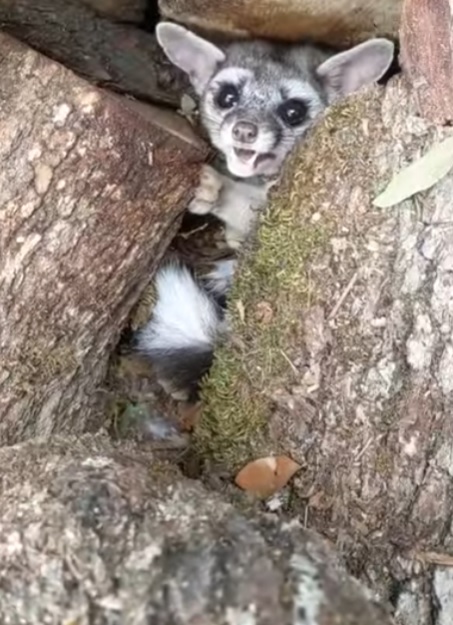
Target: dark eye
pixel 293 112
pixel 227 96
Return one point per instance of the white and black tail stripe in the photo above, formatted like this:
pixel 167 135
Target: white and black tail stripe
pixel 218 282
pixel 185 327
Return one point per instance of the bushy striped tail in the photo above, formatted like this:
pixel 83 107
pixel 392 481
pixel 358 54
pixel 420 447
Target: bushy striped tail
pixel 186 325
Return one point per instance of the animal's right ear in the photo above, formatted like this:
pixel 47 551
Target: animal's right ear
pixel 194 55
pixel 349 71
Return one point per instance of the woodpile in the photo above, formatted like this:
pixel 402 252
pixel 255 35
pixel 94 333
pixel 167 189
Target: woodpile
pixel 96 170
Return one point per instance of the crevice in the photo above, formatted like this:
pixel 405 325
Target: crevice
pixel 152 16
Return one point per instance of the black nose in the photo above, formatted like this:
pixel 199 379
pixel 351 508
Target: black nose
pixel 246 132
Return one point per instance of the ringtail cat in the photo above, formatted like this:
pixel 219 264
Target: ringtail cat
pixel 257 99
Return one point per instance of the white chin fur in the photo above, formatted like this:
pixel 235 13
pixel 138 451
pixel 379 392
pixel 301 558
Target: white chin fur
pixel 238 168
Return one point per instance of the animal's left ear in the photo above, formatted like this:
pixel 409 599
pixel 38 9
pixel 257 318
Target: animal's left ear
pixel 193 54
pixel 348 71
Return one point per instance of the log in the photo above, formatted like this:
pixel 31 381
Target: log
pixel 350 371
pixel 132 11
pixel 427 55
pixel 334 22
pixel 91 190
pixel 116 56
pixel 97 535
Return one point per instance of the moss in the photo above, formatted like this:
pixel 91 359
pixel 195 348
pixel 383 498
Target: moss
pixel 41 364
pixel 296 228
pixel 142 310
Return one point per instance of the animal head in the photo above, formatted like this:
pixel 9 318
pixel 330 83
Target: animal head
pixel 258 98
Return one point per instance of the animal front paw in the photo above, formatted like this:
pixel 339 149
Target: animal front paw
pixel 207 193
pixel 234 238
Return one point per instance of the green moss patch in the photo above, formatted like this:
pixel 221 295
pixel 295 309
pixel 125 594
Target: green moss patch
pixel 274 277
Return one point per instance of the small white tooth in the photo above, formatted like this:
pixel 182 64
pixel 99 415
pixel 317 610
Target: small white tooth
pixel 244 155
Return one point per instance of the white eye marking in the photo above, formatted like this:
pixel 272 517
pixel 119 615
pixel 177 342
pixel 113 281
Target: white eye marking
pixel 233 75
pixel 304 91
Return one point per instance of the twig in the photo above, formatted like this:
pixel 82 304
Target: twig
pixel 433 557
pixel 365 447
pixel 291 364
pixel 343 296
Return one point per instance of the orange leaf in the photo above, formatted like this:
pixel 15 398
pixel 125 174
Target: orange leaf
pixel 266 476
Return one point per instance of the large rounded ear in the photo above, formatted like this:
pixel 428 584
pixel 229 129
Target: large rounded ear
pixel 194 55
pixel 348 71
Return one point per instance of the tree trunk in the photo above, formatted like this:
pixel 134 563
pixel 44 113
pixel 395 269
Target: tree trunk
pixel 351 370
pixel 112 55
pixel 96 535
pixel 132 11
pixel 334 22
pixel 90 193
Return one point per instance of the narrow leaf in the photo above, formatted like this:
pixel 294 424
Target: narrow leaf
pixel 419 175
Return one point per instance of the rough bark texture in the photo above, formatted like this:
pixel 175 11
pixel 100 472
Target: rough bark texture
pixel 94 535
pixel 120 10
pixel 90 193
pixel 353 374
pixel 113 55
pixel 339 22
pixel 427 55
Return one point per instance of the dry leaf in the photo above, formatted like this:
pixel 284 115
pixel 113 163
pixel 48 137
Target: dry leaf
pixel 241 310
pixel 264 312
pixel 433 557
pixel 419 175
pixel 266 476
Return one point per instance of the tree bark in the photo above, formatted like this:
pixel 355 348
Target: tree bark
pixel 352 376
pixel 427 55
pixel 334 22
pixel 132 11
pixel 112 55
pixel 97 535
pixel 91 189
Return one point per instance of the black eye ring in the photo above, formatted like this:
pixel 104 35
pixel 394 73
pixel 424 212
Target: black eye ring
pixel 293 112
pixel 227 96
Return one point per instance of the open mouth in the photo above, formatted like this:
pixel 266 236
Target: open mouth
pixel 244 155
pixel 247 155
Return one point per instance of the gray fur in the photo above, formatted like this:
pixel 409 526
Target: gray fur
pixel 268 75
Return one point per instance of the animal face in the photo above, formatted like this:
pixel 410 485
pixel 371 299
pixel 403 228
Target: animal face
pixel 257 99
pixel 257 105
